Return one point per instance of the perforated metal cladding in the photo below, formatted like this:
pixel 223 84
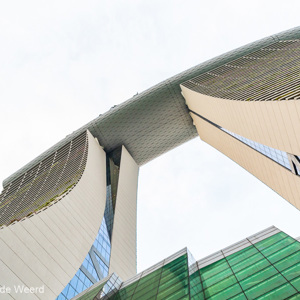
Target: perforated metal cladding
pixel 271 73
pixel 154 124
pixel 157 120
pixel 46 182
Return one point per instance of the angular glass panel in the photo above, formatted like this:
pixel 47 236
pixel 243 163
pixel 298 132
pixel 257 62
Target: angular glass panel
pixel 281 292
pixel 112 178
pixel 176 262
pixel 148 280
pixel 71 292
pixel 81 281
pixel 167 282
pixel 176 291
pixel 294 297
pixel 270 241
pixel 292 272
pixel 287 261
pixel 252 269
pixel 151 275
pixel 213 269
pixel 292 248
pixel 278 246
pixel 148 292
pixel 240 296
pixel 265 286
pixel 258 277
pixel 183 278
pixel 175 268
pixel 124 294
pixel 179 274
pixel 195 284
pixel 92 293
pixel 217 278
pixel 241 255
pixel 227 293
pixel 247 262
pixel 129 289
pixel 199 296
pixel 220 286
pixel 277 155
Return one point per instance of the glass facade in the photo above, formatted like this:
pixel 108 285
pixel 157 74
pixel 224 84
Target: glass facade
pixel 171 279
pixel 287 160
pixel 112 179
pixel 278 156
pixel 267 269
pixel 88 273
pixel 96 264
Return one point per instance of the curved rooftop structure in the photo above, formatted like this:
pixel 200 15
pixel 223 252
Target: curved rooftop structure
pixel 156 120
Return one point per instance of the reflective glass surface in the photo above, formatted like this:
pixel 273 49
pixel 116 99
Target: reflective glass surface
pixel 260 271
pixel 96 263
pixel 268 269
pixel 274 154
pixel 112 179
pixel 82 279
pixel 170 281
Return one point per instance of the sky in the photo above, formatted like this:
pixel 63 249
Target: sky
pixel 62 63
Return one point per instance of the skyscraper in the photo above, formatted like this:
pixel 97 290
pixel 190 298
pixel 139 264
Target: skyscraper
pixel 69 217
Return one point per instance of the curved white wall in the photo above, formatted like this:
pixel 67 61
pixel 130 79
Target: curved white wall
pixel 123 246
pixel 271 123
pixel 48 248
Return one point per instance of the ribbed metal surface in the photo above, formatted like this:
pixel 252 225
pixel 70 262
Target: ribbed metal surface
pixel 157 120
pixel 271 73
pixel 45 183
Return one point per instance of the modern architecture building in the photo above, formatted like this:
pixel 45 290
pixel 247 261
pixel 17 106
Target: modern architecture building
pixel 68 218
pixel 263 266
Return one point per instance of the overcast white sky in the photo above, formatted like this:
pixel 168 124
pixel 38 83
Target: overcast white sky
pixel 62 63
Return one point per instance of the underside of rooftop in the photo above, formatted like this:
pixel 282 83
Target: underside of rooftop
pixel 156 120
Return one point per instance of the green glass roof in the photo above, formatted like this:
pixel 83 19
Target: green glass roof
pixel 268 268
